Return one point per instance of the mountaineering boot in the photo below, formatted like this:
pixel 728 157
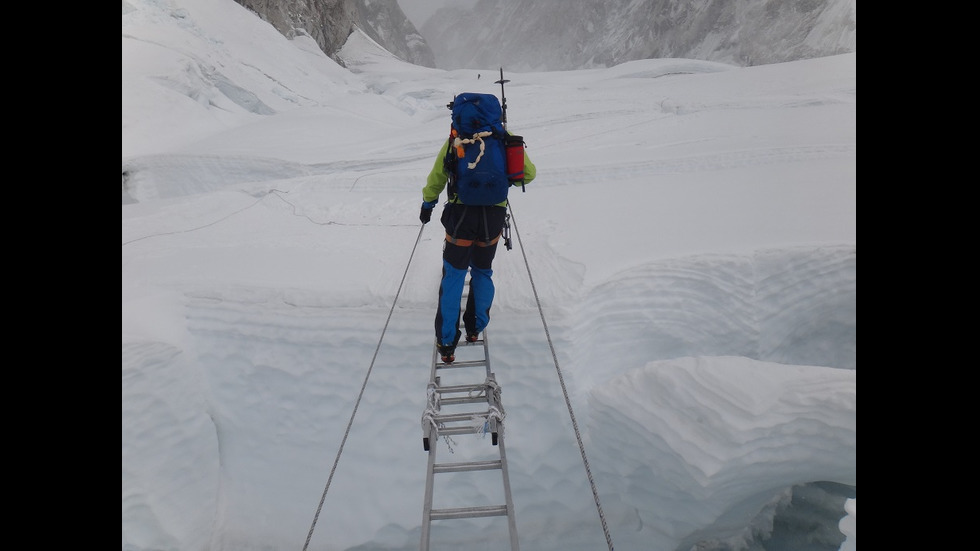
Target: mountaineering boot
pixel 472 336
pixel 448 351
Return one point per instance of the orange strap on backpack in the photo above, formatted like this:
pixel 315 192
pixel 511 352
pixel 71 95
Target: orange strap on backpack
pixel 460 152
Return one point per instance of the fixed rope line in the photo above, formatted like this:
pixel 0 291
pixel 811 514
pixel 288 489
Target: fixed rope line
pixel 561 379
pixel 361 393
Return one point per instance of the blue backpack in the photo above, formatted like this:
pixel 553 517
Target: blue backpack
pixel 476 158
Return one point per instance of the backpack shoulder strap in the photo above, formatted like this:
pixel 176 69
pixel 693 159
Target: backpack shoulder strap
pixel 449 162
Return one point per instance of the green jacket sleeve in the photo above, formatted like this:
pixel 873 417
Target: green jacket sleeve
pixel 530 171
pixel 438 177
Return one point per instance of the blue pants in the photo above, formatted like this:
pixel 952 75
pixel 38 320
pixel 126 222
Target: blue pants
pixel 471 244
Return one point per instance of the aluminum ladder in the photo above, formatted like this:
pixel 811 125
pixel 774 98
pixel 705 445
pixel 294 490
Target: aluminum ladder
pixel 436 423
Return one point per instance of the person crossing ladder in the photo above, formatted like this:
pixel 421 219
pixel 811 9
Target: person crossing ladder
pixel 473 224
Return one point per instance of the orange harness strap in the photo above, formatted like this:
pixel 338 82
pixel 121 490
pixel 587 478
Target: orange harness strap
pixel 471 242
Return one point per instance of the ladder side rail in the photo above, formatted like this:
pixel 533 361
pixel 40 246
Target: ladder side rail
pixel 508 499
pixel 486 353
pixel 429 481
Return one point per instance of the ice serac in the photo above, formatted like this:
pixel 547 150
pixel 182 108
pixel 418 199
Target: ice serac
pixel 729 449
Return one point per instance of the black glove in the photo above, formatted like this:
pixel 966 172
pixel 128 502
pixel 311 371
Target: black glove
pixel 426 213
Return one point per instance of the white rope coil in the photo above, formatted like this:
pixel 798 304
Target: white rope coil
pixel 478 137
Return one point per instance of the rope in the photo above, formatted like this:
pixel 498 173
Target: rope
pixel 496 414
pixel 495 411
pixel 363 386
pixel 478 137
pixel 561 379
pixel 493 387
pixel 431 409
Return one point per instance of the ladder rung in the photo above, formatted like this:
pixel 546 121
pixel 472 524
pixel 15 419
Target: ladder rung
pixel 455 400
pixel 455 417
pixel 461 388
pixel 472 363
pixel 466 466
pixel 469 512
pixel 452 431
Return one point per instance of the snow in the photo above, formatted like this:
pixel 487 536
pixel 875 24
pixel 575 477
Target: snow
pixel 683 267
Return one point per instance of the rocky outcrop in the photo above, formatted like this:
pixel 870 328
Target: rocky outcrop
pixel 558 35
pixel 330 22
pixel 553 35
pixel 385 22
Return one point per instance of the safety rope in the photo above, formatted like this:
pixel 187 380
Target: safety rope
pixel 363 386
pixel 561 379
pixel 496 409
pixel 493 388
pixel 431 410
